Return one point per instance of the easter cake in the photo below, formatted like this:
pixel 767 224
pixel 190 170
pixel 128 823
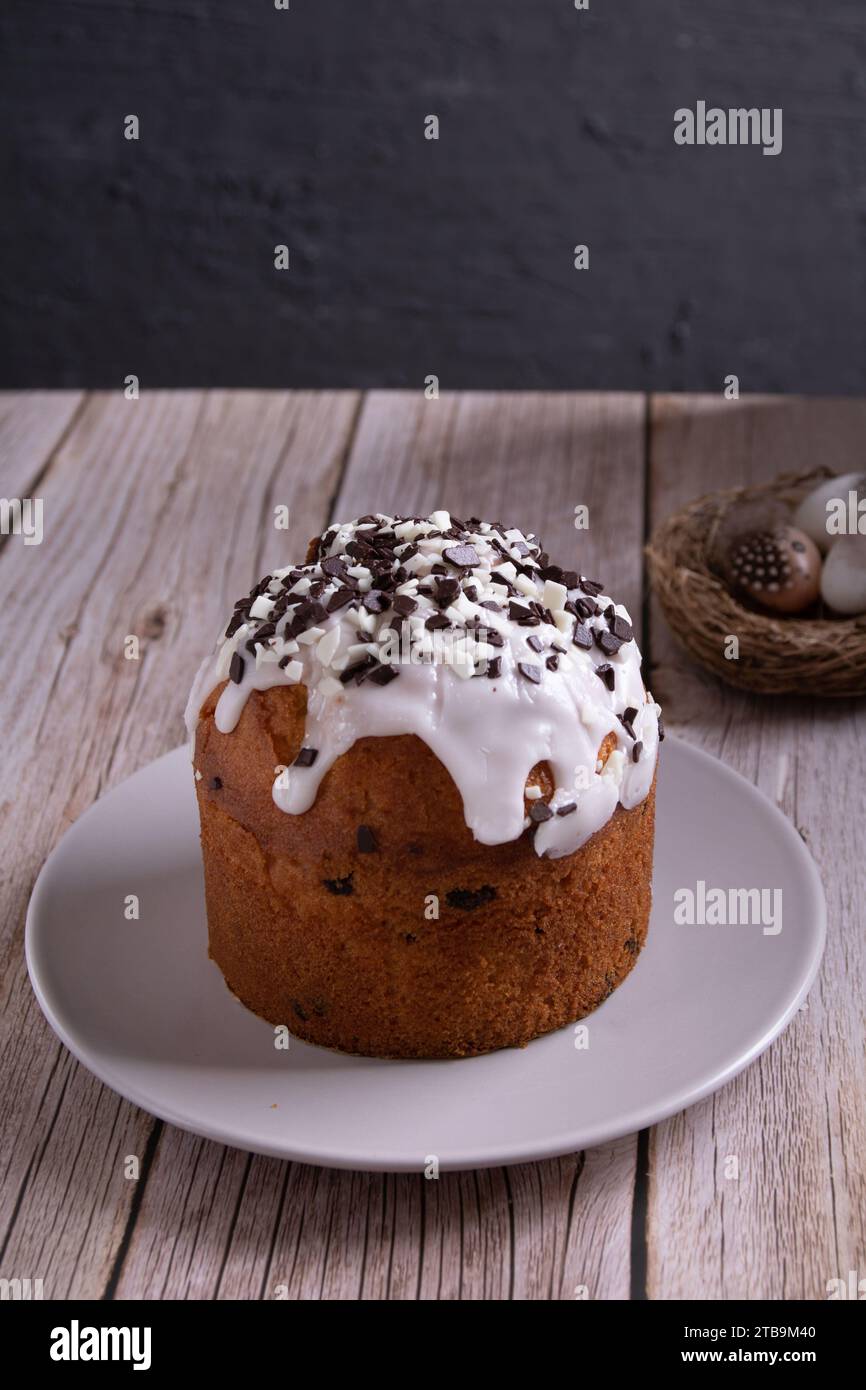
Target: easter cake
pixel 425 768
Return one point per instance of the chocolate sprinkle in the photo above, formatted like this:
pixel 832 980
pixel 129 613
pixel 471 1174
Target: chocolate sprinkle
pixel 334 567
pixel 627 719
pixel 404 605
pixel 375 602
pixel 567 809
pixel 383 675
pixel 607 674
pixel 464 556
pixel 357 670
pixel 340 599
pixel 609 644
pixel 621 629
pixel 636 751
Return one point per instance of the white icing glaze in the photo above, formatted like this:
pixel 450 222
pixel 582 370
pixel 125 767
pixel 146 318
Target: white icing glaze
pixel 488 732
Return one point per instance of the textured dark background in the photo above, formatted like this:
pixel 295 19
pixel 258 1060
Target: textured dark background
pixel 410 256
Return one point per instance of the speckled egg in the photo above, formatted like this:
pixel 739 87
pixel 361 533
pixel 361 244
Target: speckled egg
pixel 843 582
pixel 778 568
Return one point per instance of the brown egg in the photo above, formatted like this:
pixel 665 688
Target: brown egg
pixel 778 567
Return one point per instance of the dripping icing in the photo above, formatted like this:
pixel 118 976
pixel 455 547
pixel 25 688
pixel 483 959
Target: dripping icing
pixel 488 732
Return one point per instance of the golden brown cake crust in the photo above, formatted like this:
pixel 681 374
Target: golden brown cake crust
pixel 340 943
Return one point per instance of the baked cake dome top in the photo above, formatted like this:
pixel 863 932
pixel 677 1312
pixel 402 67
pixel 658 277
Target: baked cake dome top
pixel 464 634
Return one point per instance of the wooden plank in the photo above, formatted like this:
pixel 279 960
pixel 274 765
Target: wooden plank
pixel 32 423
pixel 538 1231
pixel 158 514
pixel 796 1120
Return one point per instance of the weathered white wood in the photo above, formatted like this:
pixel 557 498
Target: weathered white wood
pixel 796 1120
pixel 158 515
pixel 122 480
pixel 32 423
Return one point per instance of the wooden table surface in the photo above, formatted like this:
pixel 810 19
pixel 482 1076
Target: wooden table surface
pixel 157 514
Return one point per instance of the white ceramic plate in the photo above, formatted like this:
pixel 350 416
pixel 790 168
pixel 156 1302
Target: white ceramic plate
pixel 142 1006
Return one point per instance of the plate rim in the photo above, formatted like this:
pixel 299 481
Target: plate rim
pixel 530 1151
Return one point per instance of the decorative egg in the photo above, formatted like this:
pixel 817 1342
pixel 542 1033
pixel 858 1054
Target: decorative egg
pixel 820 510
pixel 778 567
pixel 843 582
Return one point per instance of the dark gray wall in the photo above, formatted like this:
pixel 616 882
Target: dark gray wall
pixel 409 256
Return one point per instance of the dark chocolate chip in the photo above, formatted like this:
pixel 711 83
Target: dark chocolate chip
pixel 340 887
pixel 494 667
pixel 636 751
pixel 306 757
pixel 535 643
pixel 468 899
pixel 530 671
pixel 236 670
pixel 540 811
pixel 582 636
pixel 366 840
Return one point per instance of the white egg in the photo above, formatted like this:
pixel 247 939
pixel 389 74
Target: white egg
pixel 812 515
pixel 843 578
